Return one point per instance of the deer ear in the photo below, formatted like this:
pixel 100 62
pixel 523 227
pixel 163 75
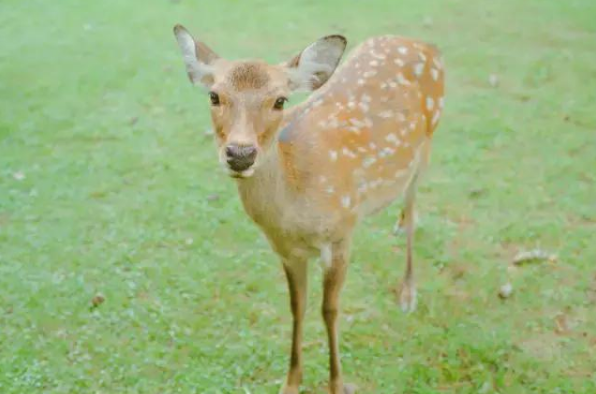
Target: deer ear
pixel 198 57
pixel 310 69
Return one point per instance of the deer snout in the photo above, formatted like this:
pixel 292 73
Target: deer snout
pixel 240 157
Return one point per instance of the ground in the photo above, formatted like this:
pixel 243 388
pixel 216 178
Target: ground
pixel 128 266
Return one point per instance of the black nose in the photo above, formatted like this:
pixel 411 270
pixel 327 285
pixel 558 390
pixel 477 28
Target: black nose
pixel 240 157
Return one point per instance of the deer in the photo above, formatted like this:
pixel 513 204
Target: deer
pixel 308 174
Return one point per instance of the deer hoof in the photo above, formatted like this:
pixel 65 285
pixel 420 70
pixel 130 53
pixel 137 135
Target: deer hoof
pixel 343 389
pixel 408 298
pixel 289 390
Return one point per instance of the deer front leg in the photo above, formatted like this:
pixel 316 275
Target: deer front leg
pixel 296 274
pixel 332 284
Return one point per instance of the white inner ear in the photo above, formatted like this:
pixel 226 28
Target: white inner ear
pixel 317 61
pixel 196 70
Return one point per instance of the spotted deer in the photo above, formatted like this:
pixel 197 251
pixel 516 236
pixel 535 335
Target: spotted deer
pixel 308 174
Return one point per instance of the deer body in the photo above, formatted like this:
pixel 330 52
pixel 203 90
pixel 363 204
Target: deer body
pixel 351 149
pixel 306 176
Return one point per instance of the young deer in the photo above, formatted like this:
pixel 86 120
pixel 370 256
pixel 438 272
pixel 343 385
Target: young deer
pixel 307 175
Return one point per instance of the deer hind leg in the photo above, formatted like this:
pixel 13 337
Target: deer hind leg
pixel 333 281
pixel 400 225
pixel 297 275
pixel 408 219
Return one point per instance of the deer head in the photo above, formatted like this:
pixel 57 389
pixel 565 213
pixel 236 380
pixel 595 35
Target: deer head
pixel 247 97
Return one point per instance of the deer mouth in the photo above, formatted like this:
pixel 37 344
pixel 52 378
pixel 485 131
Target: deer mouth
pixel 241 174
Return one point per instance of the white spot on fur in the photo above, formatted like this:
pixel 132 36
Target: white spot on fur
pixel 392 138
pixel 403 50
pixel 369 161
pixel 402 80
pixel 370 73
pixel 377 55
pixel 333 155
pixel 386 152
pixel 386 114
pixel 345 201
pixel 436 116
pixel 418 69
pixel 356 122
pixel 434 73
pixel 347 152
pixel 441 102
pixel 360 81
pixel 430 103
pixel 399 62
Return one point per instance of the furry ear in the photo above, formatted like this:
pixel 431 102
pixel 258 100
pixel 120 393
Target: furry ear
pixel 197 56
pixel 310 69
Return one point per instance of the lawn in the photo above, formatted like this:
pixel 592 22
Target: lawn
pixel 110 191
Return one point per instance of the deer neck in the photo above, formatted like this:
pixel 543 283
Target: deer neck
pixel 267 195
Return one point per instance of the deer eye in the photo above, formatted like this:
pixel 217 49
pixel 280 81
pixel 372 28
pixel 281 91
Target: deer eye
pixel 279 103
pixel 214 97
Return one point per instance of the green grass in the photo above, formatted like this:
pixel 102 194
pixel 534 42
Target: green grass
pixel 122 196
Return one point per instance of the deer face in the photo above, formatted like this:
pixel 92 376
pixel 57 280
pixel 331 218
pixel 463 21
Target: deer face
pixel 247 97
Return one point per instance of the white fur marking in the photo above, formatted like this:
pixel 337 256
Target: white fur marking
pixel 418 69
pixel 326 255
pixel 436 117
pixel 369 161
pixel 345 201
pixel 402 80
pixel 392 138
pixel 434 73
pixel 430 103
pixel 386 114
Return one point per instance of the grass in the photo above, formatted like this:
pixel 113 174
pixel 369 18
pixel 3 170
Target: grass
pixel 109 185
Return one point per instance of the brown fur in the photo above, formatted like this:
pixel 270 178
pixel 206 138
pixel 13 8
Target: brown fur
pixel 248 75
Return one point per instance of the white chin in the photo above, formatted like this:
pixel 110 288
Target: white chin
pixel 242 174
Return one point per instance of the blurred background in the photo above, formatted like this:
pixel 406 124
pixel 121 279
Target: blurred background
pixel 128 266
